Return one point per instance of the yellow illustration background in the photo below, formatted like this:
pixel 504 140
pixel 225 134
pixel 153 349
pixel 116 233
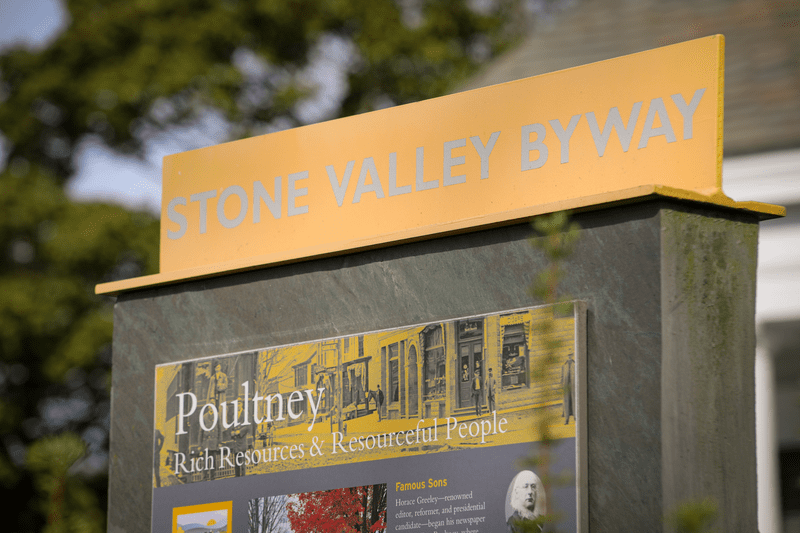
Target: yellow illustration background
pixel 425 372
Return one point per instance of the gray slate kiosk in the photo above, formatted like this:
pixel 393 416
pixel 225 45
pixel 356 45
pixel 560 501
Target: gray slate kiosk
pixel 378 222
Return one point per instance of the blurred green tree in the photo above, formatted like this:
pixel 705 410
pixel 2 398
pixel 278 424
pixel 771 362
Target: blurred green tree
pixel 126 73
pixel 55 345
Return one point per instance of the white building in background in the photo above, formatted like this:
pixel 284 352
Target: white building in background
pixel 762 163
pixel 774 177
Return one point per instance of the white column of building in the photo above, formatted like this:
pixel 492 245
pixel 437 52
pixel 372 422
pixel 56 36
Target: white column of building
pixel 769 496
pixel 771 177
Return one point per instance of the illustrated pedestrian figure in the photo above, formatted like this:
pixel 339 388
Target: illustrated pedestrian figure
pixel 220 381
pixel 357 386
pixel 490 391
pixel 264 433
pixel 159 443
pixel 210 439
pixel 567 380
pixel 220 384
pixel 208 420
pixel 321 385
pixel 477 393
pixel 380 402
pixel 239 435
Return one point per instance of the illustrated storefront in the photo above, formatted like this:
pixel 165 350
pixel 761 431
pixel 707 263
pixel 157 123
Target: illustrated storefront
pixel 356 387
pixel 400 379
pixel 430 372
pixel 470 361
pixel 434 371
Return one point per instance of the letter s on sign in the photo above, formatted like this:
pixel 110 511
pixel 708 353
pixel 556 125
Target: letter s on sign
pixel 176 217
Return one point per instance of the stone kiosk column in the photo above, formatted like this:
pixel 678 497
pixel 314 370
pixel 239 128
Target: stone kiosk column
pixel 666 275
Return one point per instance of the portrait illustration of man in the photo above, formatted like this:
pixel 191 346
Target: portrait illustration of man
pixel 525 502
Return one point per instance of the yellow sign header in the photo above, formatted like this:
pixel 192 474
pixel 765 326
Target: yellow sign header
pixel 653 117
pixel 631 126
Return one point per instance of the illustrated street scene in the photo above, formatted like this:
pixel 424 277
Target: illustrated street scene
pixel 455 384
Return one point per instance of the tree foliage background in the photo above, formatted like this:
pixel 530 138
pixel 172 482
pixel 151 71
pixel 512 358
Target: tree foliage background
pixel 129 73
pixel 354 509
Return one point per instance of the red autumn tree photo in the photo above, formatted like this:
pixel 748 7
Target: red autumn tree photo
pixel 349 510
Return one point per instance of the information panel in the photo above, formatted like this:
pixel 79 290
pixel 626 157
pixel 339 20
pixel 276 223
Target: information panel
pixel 421 428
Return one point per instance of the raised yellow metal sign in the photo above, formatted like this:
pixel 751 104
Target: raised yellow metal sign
pixel 625 127
pixel 653 117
